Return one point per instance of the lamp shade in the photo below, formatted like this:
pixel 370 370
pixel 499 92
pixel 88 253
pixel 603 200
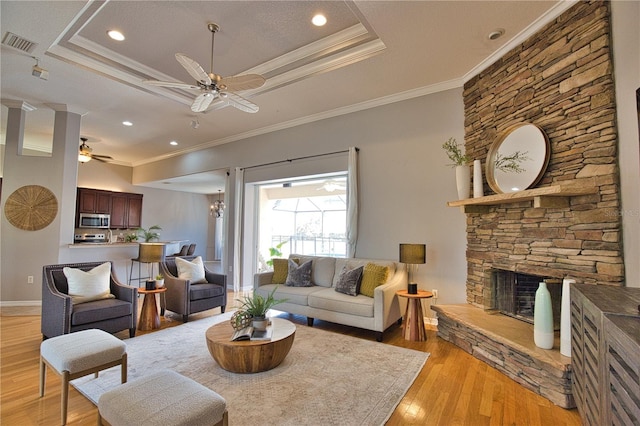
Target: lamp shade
pixel 413 254
pixel 151 252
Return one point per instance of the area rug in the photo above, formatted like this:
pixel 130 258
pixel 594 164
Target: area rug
pixel 326 379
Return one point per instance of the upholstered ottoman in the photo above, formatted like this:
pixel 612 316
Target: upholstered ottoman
pixel 163 398
pixel 78 354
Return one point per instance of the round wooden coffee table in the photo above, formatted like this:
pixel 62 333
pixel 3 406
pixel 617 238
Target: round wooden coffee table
pixel 250 356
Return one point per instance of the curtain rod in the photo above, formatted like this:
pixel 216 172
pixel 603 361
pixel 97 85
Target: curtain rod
pixel 289 160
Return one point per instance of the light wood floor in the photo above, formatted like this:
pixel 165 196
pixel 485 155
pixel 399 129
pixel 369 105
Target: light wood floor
pixel 453 388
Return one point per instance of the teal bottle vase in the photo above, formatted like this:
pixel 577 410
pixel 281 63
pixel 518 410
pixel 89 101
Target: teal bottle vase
pixel 543 318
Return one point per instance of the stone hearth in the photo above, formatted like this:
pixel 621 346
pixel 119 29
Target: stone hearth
pixel 506 344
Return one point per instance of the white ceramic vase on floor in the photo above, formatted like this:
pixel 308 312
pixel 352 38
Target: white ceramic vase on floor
pixel 543 318
pixel 565 318
pixel 463 181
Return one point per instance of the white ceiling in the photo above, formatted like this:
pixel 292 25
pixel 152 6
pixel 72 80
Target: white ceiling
pixel 368 54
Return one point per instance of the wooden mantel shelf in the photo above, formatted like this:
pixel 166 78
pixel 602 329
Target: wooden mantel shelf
pixel 554 196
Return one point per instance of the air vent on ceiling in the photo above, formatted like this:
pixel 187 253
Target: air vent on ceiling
pixel 17 42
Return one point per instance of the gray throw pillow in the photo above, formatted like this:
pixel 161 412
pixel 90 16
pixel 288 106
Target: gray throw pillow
pixel 299 276
pixel 349 281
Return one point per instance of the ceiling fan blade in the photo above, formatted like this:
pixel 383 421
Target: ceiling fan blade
pixel 193 68
pixel 105 157
pixel 239 102
pixel 97 158
pixel 242 82
pixel 175 84
pixel 203 101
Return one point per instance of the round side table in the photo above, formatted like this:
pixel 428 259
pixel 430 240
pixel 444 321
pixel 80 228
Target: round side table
pixel 413 317
pixel 149 318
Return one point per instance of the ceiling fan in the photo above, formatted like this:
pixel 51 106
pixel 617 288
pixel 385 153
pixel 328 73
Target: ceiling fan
pixel 212 85
pixel 86 153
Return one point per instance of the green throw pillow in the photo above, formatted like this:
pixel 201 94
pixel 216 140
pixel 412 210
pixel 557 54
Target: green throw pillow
pixel 280 271
pixel 373 276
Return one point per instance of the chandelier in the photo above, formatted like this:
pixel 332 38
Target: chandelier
pixel 217 208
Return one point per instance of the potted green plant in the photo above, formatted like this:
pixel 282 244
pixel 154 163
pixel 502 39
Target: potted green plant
pixel 461 163
pixel 257 306
pixel 149 234
pixel 159 281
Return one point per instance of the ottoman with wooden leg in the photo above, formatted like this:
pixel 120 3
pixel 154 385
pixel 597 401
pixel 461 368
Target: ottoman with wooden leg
pixel 163 398
pixel 78 354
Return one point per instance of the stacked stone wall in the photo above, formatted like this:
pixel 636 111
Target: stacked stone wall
pixel 560 79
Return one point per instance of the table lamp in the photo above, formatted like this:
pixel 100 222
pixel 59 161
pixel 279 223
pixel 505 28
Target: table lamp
pixel 413 255
pixel 150 253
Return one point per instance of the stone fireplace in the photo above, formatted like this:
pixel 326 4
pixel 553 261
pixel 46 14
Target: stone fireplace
pixel 561 80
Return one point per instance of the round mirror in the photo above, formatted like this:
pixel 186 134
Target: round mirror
pixel 518 159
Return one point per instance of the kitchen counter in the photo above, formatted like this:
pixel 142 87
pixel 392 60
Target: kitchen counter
pixel 134 244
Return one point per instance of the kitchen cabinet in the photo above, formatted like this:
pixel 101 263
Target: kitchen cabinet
pixel 126 210
pixel 94 201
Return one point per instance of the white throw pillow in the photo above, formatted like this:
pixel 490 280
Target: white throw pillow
pixel 90 285
pixel 192 271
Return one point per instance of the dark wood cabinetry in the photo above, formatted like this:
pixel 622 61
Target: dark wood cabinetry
pixel 125 208
pixel 605 353
pixel 94 201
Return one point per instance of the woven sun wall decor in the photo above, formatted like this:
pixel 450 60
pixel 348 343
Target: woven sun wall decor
pixel 31 207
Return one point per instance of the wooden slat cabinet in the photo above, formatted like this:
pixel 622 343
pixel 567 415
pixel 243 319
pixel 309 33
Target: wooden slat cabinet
pixel 622 369
pixel 94 201
pixel 595 350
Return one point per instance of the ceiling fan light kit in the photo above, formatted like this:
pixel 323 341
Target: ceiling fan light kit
pixel 85 153
pixel 212 85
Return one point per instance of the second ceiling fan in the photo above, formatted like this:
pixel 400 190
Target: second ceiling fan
pixel 212 85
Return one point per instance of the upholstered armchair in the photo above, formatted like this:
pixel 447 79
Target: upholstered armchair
pixel 61 316
pixel 184 297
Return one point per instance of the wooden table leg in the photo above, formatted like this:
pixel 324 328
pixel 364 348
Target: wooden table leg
pixel 414 322
pixel 149 318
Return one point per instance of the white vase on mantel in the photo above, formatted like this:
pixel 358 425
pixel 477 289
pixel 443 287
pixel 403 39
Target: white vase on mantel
pixel 463 181
pixel 478 190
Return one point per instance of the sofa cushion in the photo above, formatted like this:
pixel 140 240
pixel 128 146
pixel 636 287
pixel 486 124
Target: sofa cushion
pixel 349 281
pixel 299 275
pixel 205 291
pixel 373 276
pixel 280 271
pixel 192 271
pixel 330 300
pixel 100 310
pixel 323 269
pixel 90 285
pixel 352 263
pixel 294 295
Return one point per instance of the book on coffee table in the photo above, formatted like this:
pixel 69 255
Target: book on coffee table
pixel 248 333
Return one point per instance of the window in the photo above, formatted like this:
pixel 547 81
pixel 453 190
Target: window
pixel 303 217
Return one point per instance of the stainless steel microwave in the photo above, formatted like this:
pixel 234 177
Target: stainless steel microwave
pixel 94 220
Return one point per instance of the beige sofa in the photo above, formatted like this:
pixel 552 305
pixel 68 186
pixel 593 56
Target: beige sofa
pixel 321 301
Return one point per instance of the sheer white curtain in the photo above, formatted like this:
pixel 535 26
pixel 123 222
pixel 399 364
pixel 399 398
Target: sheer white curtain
pixel 237 230
pixel 352 202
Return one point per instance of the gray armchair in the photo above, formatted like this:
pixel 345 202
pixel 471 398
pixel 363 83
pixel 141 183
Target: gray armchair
pixel 60 316
pixel 185 298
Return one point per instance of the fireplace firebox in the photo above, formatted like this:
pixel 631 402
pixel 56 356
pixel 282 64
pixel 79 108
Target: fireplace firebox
pixel 514 294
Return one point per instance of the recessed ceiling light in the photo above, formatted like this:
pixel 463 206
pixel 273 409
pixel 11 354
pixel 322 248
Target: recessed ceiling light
pixel 319 20
pixel 173 143
pixel 496 34
pixel 116 35
pixel 127 123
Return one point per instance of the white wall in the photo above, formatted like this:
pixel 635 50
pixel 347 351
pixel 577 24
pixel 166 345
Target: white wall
pixel 626 59
pixel 405 182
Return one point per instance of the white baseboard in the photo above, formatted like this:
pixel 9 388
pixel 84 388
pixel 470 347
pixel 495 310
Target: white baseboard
pixel 431 321
pixel 20 307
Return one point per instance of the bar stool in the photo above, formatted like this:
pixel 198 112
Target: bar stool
pixel 148 253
